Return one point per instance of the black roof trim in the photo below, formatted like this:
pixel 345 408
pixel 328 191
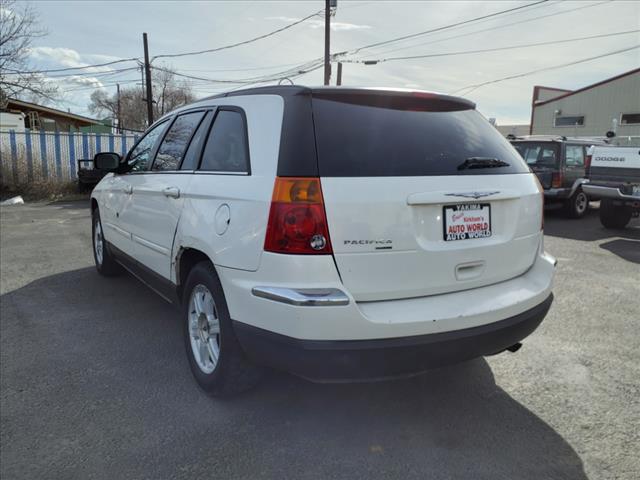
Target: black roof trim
pixel 282 90
pixel 290 90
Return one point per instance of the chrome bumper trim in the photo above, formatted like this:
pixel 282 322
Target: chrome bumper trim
pixel 607 192
pixel 303 297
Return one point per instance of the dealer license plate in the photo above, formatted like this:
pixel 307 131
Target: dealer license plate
pixel 467 221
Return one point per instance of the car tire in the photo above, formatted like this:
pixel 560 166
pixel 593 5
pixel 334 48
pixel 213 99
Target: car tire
pixel 577 205
pixel 612 216
pixel 216 358
pixel 104 260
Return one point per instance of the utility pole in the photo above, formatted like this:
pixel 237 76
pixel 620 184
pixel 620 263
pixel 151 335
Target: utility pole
pixel 147 74
pixel 327 41
pixel 339 79
pixel 118 108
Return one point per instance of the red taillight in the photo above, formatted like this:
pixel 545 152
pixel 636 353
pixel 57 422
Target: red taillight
pixel 557 179
pixel 587 164
pixel 297 220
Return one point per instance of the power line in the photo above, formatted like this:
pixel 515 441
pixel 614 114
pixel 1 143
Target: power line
pixel 319 64
pixel 17 72
pixel 194 77
pixel 102 85
pixel 444 27
pixel 90 74
pixel 496 49
pixel 554 67
pixel 292 72
pixel 244 42
pixel 495 27
pixel 239 69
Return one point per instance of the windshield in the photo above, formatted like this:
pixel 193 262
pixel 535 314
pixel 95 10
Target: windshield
pixel 540 154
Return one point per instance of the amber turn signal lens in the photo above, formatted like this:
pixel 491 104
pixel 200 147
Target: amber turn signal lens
pixel 297 190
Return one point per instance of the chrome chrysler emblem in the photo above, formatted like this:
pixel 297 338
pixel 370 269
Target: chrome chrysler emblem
pixel 474 195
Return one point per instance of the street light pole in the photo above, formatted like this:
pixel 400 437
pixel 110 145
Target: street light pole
pixel 118 107
pixel 147 74
pixel 327 41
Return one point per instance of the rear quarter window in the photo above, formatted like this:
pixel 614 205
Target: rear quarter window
pixel 227 147
pixel 356 140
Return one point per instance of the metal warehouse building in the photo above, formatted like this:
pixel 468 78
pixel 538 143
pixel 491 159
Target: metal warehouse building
pixel 609 105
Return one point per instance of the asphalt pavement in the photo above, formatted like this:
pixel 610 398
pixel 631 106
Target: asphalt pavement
pixel 95 383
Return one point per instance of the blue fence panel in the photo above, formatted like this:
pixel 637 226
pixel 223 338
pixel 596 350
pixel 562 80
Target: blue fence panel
pixel 14 155
pixel 27 139
pixel 43 154
pixel 56 140
pixel 72 156
pixel 54 155
pixel 85 146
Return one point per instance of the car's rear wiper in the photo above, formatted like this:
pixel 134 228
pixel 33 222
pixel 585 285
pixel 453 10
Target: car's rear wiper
pixel 482 162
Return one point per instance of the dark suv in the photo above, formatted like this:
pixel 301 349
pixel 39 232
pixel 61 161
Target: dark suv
pixel 559 163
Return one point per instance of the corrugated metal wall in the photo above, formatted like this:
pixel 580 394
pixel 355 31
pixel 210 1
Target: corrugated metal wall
pixel 38 155
pixel 599 105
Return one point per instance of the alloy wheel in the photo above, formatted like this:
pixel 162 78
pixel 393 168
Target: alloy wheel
pixel 204 329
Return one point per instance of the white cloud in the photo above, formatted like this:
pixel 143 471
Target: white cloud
pixel 316 23
pixel 86 81
pixel 5 13
pixel 62 57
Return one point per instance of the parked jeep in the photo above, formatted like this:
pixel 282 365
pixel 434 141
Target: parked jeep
pixel 559 163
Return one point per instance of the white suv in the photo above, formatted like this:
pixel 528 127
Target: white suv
pixel 335 233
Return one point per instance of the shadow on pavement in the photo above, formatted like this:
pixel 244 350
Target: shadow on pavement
pixel 81 204
pixel 629 250
pixel 95 383
pixel 587 228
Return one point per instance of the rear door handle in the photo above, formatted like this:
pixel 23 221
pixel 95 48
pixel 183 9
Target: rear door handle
pixel 128 189
pixel 172 192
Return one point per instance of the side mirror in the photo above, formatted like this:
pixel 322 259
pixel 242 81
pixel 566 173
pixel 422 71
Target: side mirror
pixel 108 161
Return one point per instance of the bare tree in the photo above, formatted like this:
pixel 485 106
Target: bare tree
pixel 169 94
pixel 18 27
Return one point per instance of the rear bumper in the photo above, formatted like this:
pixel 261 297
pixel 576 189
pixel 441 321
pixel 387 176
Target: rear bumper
pixel 608 192
pixel 340 360
pixel 302 316
pixel 557 193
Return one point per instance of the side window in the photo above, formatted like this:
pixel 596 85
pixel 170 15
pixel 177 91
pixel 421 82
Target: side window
pixel 175 141
pixel 192 154
pixel 226 148
pixel 548 156
pixel 575 155
pixel 138 159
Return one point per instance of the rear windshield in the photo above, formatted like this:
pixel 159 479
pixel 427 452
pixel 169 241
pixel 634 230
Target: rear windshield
pixel 539 154
pixel 355 140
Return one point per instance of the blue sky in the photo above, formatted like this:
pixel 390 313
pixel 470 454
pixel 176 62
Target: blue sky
pixel 82 33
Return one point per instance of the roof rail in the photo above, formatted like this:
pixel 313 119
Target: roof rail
pixel 559 138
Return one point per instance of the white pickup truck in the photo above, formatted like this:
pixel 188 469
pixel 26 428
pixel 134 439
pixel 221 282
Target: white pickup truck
pixel 614 177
